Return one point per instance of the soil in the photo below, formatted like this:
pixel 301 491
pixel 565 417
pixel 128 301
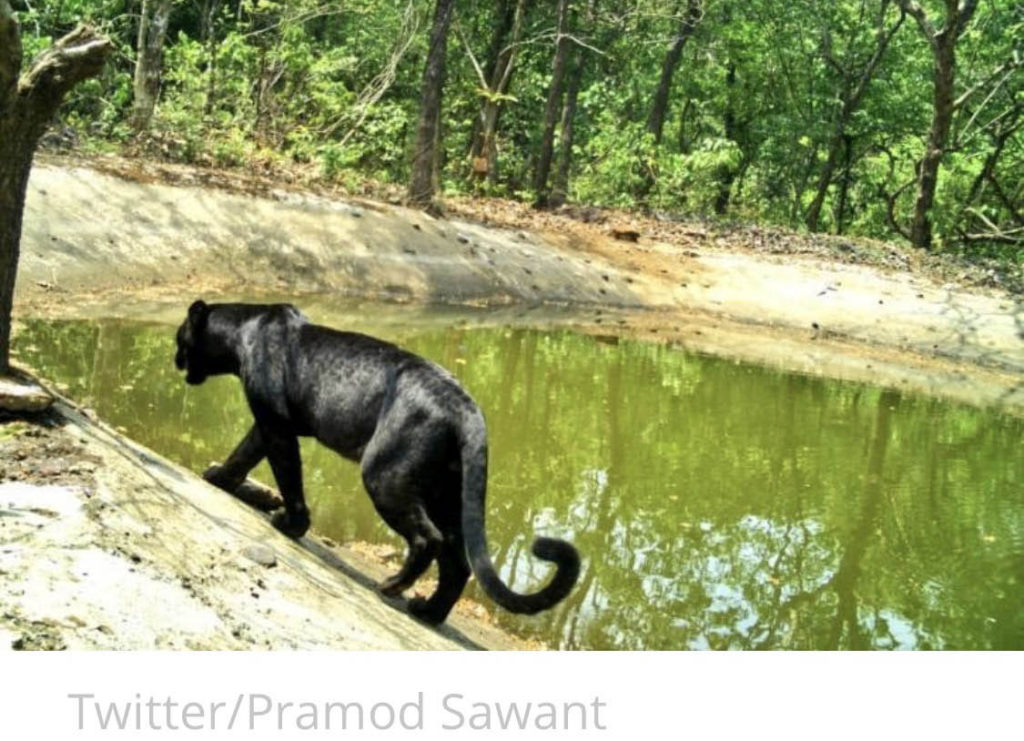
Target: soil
pixel 104 544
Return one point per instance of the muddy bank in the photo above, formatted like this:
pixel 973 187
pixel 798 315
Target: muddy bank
pixel 106 545
pixel 87 231
pixel 98 243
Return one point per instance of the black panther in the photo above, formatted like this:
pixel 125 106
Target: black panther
pixel 418 436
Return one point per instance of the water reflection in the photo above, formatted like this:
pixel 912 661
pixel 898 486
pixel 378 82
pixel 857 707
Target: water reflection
pixel 717 505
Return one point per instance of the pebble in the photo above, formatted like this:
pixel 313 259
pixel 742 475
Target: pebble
pixel 19 396
pixel 260 554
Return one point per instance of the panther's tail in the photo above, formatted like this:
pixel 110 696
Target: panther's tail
pixel 473 446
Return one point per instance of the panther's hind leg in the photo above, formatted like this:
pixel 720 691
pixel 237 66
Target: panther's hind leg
pixel 423 539
pixel 453 575
pixel 398 475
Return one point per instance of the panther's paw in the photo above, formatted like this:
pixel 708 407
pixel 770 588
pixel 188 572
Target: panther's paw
pixel 291 524
pixel 422 609
pixel 215 475
pixel 391 587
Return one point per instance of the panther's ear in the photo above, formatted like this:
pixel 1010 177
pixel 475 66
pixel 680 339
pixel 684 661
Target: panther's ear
pixel 197 314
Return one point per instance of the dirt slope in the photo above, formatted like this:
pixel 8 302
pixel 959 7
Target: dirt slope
pixel 95 241
pixel 106 545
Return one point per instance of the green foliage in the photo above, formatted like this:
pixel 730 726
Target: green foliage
pixel 754 109
pixel 691 182
pixel 617 159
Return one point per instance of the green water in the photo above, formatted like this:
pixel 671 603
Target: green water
pixel 716 504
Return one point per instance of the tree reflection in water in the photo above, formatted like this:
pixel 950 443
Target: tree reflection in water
pixel 717 505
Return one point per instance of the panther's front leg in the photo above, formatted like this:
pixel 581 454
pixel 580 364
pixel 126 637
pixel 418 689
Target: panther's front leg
pixel 231 474
pixel 283 453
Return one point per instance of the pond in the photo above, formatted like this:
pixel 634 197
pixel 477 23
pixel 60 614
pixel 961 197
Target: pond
pixel 716 504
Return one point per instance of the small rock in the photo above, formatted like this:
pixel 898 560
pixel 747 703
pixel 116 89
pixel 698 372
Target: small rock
pixel 260 554
pixel 625 234
pixel 464 238
pixel 51 468
pixel 17 395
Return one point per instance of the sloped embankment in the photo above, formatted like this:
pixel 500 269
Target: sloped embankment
pixel 98 241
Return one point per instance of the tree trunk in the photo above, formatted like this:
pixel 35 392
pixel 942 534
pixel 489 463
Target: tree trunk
pixel 938 135
pixel 422 184
pixel 26 107
pixel 495 55
pixel 560 189
pixel 150 49
pixel 727 175
pixel 851 102
pixel 553 108
pixel 943 48
pixel 485 141
pixel 844 183
pixel 659 104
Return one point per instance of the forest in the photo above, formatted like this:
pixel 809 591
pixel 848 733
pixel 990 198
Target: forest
pixel 891 119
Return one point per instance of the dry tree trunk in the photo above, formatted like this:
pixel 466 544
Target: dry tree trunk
pixel 560 189
pixel 553 108
pixel 27 105
pixel 156 14
pixel 485 143
pixel 425 155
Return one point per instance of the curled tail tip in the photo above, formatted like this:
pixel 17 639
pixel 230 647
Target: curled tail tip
pixel 559 551
pixel 567 561
pixel 567 570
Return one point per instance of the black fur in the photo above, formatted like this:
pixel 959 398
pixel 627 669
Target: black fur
pixel 418 435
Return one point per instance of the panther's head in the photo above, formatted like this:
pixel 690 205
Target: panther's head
pixel 191 354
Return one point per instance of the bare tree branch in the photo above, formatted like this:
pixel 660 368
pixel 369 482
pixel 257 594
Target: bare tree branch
pixel 484 83
pixel 1008 67
pixel 379 85
pixel 964 14
pixel 918 14
pixel 890 210
pixel 76 57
